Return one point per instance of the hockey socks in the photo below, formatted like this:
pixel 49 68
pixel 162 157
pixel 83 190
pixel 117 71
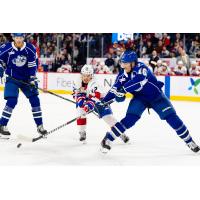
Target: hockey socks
pixel 176 123
pixel 116 131
pixel 7 111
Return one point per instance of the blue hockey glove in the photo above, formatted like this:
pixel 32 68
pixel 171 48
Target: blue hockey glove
pixel 99 107
pixel 102 109
pixel 120 95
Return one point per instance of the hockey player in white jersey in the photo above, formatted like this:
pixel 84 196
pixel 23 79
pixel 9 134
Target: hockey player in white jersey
pixel 88 95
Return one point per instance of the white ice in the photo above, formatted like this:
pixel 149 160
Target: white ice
pixel 153 142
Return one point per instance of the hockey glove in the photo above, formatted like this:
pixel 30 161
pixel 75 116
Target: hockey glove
pixel 34 81
pixel 89 105
pixel 80 99
pixel 120 95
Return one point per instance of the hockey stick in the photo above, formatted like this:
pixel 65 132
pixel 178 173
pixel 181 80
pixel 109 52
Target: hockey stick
pixel 24 138
pixel 21 137
pixel 49 92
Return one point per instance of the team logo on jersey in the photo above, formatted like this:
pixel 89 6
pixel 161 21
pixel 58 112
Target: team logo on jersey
pixel 12 52
pixel 20 61
pixel 122 79
pixel 194 84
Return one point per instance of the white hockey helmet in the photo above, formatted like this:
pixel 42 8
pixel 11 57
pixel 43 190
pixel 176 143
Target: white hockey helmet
pixel 87 70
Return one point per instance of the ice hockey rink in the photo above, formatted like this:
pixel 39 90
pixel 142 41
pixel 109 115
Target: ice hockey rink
pixel 152 141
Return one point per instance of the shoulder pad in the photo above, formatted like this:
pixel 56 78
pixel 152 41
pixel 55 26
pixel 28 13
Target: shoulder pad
pixel 5 46
pixel 143 69
pixel 30 46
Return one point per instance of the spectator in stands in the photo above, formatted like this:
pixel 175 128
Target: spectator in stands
pixel 147 50
pixel 103 69
pixel 174 48
pixel 178 37
pixel 59 61
pixel 159 36
pixel 158 65
pixel 193 49
pixel 184 58
pixel 194 69
pixel 153 59
pixel 180 69
pixel 166 40
pixel 75 55
pixel 164 53
pixel 198 54
pixel 67 56
pixel 129 44
pixel 95 64
pixel 2 39
pixel 115 46
pixel 65 68
pixel 109 62
pixel 159 48
pixel 122 45
pixel 197 40
pixel 164 69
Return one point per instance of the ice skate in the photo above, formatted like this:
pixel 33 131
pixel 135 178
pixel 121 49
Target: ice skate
pixel 82 136
pixel 105 145
pixel 4 133
pixel 193 146
pixel 41 130
pixel 125 138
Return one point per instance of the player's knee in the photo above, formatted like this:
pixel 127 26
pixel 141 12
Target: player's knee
pixel 129 120
pixel 110 120
pixel 11 102
pixel 166 113
pixel 34 101
pixel 174 121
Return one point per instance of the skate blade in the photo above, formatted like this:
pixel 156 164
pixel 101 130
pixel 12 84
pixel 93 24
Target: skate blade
pixel 83 142
pixel 2 137
pixel 104 150
pixel 127 143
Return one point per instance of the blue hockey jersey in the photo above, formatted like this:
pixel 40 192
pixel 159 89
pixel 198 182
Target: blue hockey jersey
pixel 18 63
pixel 141 82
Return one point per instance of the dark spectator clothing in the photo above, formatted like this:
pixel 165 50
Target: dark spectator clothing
pixel 109 62
pixel 154 59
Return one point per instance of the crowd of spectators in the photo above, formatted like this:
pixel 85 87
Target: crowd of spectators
pixel 67 52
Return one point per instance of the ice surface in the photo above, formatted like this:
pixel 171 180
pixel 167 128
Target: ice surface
pixel 153 142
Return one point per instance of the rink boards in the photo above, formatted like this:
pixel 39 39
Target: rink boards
pixel 181 88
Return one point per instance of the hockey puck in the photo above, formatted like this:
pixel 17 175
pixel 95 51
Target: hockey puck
pixel 19 145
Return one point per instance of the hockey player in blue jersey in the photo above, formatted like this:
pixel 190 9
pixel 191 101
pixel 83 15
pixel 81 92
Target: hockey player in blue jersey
pixel 18 60
pixel 137 79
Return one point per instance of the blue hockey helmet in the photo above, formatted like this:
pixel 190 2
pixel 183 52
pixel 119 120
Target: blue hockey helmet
pixel 129 56
pixel 18 35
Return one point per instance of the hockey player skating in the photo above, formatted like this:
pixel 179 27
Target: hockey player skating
pixel 88 93
pixel 137 79
pixel 18 59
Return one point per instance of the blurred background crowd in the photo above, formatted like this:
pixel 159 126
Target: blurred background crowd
pixel 163 53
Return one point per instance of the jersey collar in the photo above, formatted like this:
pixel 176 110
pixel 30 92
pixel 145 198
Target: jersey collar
pixel 14 47
pixel 126 75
